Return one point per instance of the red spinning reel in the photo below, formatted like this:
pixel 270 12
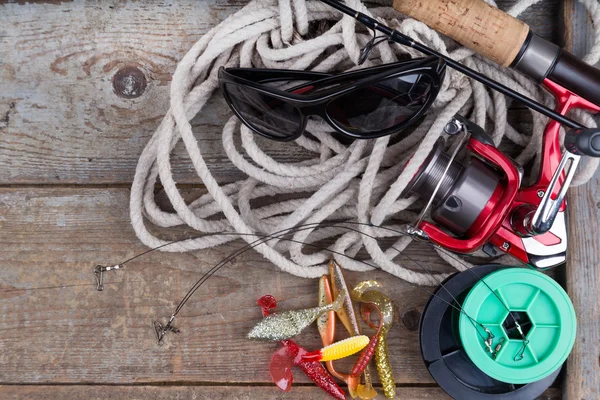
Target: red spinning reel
pixel 482 204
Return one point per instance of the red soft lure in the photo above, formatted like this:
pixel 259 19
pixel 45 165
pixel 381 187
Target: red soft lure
pixel 313 369
pixel 367 354
pixel 292 354
pixel 281 369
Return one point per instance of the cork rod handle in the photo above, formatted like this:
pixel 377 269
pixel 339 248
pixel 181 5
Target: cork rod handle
pixel 473 23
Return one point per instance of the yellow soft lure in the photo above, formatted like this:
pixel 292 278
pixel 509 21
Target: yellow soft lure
pixel 337 350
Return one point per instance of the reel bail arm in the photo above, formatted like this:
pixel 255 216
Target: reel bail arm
pixel 577 142
pixel 546 213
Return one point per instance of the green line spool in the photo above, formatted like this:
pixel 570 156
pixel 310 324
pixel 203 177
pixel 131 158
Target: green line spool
pixel 541 307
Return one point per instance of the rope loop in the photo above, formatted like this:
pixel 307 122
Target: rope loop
pixel 358 181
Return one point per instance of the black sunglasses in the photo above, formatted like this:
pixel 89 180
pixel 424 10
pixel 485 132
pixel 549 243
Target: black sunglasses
pixel 362 104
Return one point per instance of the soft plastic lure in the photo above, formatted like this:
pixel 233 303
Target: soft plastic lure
pixel 347 315
pixel 326 325
pixel 367 354
pixel 363 293
pixel 284 325
pixel 337 350
pixel 292 354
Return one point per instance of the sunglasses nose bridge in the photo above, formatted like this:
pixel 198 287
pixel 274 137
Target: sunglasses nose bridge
pixel 316 112
pixel 313 109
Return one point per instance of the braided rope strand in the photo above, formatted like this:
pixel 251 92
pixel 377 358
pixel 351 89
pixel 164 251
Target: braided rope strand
pixel 359 182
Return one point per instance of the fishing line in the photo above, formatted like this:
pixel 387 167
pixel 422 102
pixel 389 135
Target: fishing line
pixel 161 330
pixel 45 288
pixel 371 44
pixel 261 239
pixel 100 268
pixel 251 245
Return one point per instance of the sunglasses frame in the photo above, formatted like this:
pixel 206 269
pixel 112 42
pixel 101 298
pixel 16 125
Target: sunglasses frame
pixel 316 104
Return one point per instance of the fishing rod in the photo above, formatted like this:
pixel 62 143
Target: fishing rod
pixel 507 41
pixel 405 40
pixel 510 42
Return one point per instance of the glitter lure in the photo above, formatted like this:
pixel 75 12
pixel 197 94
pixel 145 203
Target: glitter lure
pixel 363 293
pixel 287 324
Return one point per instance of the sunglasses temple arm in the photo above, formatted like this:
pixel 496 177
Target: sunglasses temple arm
pixel 407 41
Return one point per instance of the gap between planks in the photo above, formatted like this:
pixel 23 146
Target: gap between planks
pixel 298 392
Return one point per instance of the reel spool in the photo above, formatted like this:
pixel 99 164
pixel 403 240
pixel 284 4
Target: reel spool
pixel 463 191
pixel 469 202
pixel 444 345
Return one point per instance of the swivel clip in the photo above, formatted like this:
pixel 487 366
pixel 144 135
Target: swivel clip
pixel 99 274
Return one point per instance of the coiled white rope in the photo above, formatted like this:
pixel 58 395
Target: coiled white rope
pixel 360 182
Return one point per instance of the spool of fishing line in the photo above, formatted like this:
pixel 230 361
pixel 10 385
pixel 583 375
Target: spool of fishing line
pixel 444 346
pixel 544 313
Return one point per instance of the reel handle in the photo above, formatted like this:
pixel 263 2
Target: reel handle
pixel 583 142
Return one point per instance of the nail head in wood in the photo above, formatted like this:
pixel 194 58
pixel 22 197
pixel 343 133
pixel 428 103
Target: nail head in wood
pixel 411 319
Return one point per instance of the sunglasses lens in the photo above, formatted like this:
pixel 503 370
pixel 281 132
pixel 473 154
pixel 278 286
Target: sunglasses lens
pixel 263 113
pixel 382 105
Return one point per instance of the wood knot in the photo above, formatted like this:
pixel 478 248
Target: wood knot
pixel 129 82
pixel 411 319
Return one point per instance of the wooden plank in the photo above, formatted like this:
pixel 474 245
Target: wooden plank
pixel 206 392
pixel 61 119
pixel 583 285
pixel 582 277
pixel 67 332
pixel 186 392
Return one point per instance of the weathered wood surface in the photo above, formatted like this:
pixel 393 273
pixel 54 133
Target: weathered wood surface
pixel 62 123
pixel 204 392
pixel 583 285
pixel 61 119
pixel 583 272
pixel 53 237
